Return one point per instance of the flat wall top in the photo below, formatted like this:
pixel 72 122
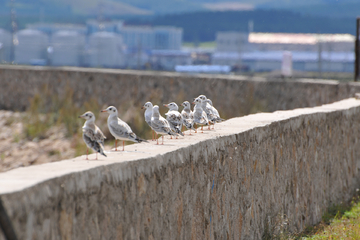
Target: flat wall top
pixel 22 178
pixel 167 74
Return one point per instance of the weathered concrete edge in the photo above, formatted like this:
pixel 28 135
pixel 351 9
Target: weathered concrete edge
pixel 173 74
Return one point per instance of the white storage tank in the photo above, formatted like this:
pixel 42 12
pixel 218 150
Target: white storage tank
pixel 5 46
pixel 67 48
pixel 106 49
pixel 31 47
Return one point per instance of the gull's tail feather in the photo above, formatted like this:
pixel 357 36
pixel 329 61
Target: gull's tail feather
pixel 99 148
pixel 178 131
pixel 139 140
pixel 101 151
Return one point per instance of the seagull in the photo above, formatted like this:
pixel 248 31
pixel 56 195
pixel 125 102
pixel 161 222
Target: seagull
pixel 209 110
pixel 188 116
pixel 92 135
pixel 215 112
pixel 148 114
pixel 160 125
pixel 174 117
pixel 200 116
pixel 120 129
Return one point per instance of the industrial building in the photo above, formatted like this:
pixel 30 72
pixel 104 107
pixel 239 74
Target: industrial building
pixel 264 51
pixel 106 49
pixel 67 48
pixel 31 47
pixel 96 44
pixel 5 46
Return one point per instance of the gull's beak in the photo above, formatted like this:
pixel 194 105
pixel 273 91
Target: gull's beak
pixel 142 107
pixel 81 116
pixel 193 102
pixel 165 105
pixel 103 110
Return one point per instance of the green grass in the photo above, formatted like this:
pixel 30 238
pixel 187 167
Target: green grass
pixel 340 222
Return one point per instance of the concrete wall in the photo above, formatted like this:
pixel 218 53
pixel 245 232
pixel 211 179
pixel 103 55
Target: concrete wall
pixel 234 95
pixel 240 181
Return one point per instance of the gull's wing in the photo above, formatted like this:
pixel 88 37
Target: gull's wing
pixel 89 133
pixel 161 125
pixel 120 128
pixel 99 136
pixel 174 117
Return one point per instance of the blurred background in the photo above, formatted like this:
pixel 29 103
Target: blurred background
pixel 212 36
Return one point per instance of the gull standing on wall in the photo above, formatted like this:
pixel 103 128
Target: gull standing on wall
pixel 209 109
pixel 200 116
pixel 120 129
pixel 148 114
pixel 174 118
pixel 215 112
pixel 188 116
pixel 92 135
pixel 160 125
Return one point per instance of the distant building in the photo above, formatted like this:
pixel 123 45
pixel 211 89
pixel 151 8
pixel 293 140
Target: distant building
pixel 302 42
pixel 5 46
pixel 144 38
pixel 168 59
pixel 51 28
pixel 138 38
pixel 232 42
pixel 67 48
pixel 168 38
pixel 97 44
pixel 31 47
pixel 260 61
pixel 106 49
pixel 93 26
pixel 264 51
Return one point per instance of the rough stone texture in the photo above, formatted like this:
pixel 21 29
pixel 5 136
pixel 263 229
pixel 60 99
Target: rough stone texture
pixel 237 182
pixel 234 95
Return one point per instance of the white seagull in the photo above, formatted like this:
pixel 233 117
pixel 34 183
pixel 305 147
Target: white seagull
pixel 160 125
pixel 120 129
pixel 174 118
pixel 92 135
pixel 148 114
pixel 215 112
pixel 188 116
pixel 200 116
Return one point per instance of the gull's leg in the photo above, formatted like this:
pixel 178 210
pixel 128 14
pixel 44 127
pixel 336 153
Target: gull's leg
pixel 157 141
pixel 162 140
pixel 123 145
pixel 96 156
pixel 213 126
pixel 209 126
pixel 87 153
pixel 115 144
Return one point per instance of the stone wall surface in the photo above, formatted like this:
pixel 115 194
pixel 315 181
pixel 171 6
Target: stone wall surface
pixel 234 95
pixel 239 181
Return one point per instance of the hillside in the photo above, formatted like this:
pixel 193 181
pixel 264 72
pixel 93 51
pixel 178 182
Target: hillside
pixel 342 8
pixel 202 26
